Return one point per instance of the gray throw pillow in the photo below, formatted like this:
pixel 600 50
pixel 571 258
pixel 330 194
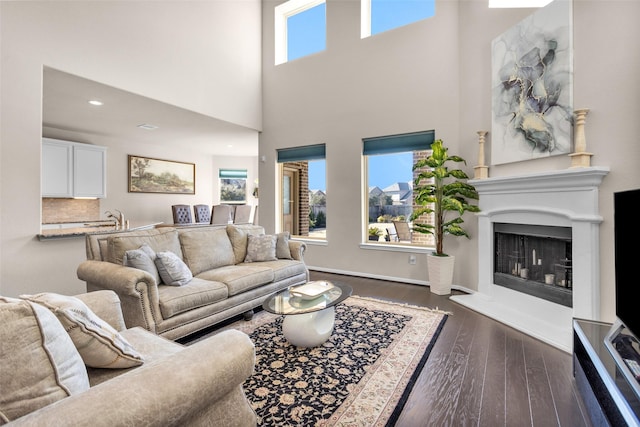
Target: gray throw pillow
pixel 98 343
pixel 282 246
pixel 172 269
pixel 261 248
pixel 142 258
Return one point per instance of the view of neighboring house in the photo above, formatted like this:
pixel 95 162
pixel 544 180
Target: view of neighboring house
pixel 401 193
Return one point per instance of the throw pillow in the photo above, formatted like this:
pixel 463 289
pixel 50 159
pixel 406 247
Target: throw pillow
pixel 261 248
pixel 282 246
pixel 204 249
pixel 99 345
pixel 172 269
pixel 238 236
pixel 142 258
pixel 40 364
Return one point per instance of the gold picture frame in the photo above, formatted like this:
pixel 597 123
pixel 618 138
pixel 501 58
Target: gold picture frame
pixel 150 175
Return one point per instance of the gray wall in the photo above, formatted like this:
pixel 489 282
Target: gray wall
pixel 436 74
pixel 200 56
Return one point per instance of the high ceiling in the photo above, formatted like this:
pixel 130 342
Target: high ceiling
pixel 66 108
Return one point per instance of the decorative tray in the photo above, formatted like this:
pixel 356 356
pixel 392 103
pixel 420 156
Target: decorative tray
pixel 311 290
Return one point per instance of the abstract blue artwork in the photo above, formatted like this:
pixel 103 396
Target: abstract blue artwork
pixel 532 87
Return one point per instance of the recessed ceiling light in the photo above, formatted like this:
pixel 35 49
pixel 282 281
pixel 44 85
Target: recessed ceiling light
pixel 147 126
pixel 95 102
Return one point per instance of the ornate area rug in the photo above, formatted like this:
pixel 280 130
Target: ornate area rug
pixel 361 376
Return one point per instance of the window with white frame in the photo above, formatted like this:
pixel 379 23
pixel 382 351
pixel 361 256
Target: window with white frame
pixel 233 186
pixel 300 29
pixel 518 3
pixel 378 16
pixel 303 193
pixel 389 164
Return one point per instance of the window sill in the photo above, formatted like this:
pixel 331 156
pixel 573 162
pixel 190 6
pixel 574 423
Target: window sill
pixel 315 242
pixel 395 248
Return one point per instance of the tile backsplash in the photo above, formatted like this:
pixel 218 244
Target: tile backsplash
pixel 69 210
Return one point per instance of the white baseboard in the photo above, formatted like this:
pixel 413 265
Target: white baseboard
pixel 388 278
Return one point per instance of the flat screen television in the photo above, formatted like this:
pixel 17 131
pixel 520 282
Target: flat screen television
pixel 622 340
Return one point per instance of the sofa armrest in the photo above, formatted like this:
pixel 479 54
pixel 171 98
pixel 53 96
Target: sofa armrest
pixel 297 249
pixel 106 305
pixel 200 385
pixel 137 290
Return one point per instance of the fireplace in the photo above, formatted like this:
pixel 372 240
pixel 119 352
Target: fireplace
pixel 534 259
pixel 521 214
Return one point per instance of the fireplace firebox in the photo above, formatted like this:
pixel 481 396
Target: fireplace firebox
pixel 535 260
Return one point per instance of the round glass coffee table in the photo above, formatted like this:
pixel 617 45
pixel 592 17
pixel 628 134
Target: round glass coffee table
pixel 309 311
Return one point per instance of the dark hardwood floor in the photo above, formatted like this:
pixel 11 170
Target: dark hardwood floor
pixel 480 372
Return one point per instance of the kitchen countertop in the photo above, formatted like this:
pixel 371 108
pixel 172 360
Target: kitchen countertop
pixel 92 227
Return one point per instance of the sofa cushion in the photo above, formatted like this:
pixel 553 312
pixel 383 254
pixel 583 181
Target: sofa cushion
pixel 240 278
pixel 282 246
pixel 284 268
pixel 98 343
pixel 261 248
pixel 172 269
pixel 199 292
pixel 159 239
pixel 238 236
pixel 206 248
pixel 40 364
pixel 143 258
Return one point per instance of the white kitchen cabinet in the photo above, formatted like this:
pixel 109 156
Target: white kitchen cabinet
pixel 57 168
pixel 71 169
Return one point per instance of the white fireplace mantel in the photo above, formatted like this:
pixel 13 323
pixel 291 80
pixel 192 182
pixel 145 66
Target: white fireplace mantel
pixel 564 198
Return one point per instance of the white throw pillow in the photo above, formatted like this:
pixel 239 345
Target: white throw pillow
pixel 40 365
pixel 142 258
pixel 172 269
pixel 261 248
pixel 99 344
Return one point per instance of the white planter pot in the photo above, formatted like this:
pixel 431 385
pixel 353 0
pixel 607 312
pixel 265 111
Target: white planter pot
pixel 440 273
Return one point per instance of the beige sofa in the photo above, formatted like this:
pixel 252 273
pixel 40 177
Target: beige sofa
pixel 234 270
pixel 44 380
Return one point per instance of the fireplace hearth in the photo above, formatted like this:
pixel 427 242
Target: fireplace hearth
pixel 556 214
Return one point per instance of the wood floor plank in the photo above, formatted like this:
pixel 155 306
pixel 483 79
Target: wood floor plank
pixel 569 406
pixel 518 411
pixel 543 409
pixel 493 407
pixel 468 409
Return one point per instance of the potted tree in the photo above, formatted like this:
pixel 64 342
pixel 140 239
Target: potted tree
pixel 445 193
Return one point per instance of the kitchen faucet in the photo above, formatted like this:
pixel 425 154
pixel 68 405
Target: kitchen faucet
pixel 119 219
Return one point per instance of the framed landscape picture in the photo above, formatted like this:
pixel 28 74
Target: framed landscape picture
pixel 148 175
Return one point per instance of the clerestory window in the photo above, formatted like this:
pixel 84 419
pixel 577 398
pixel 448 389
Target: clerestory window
pixel 300 29
pixel 378 16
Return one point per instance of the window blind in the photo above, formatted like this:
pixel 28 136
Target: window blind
pixel 298 154
pixel 233 173
pixel 398 143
